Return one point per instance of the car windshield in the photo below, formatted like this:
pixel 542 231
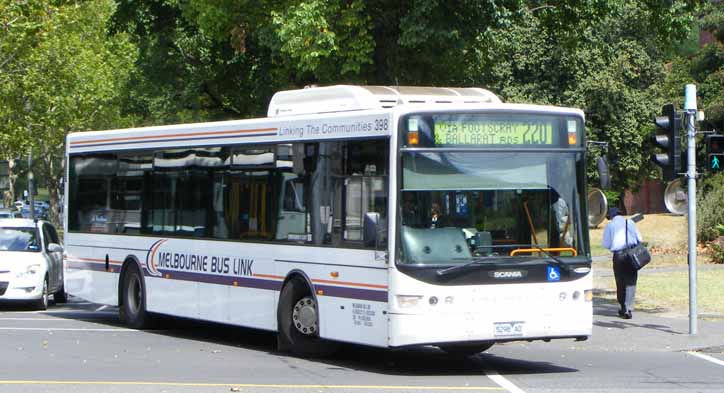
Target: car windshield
pixel 456 206
pixel 19 239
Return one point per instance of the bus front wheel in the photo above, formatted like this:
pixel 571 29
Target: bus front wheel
pixel 133 300
pixel 298 322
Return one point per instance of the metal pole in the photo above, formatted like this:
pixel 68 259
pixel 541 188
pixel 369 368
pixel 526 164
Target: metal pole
pixel 31 187
pixel 690 108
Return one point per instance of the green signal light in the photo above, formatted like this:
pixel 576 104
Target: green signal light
pixel 715 162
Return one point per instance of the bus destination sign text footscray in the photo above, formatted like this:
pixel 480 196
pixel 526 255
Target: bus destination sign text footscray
pixel 480 133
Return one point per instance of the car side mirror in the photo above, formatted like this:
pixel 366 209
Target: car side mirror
pixel 55 247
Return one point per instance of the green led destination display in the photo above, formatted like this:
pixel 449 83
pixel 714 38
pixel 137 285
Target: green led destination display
pixel 480 132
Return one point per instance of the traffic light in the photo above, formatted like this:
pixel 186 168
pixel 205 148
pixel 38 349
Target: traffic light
pixel 715 153
pixel 667 137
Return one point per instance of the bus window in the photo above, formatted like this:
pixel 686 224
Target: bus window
pixel 253 193
pixel 365 192
pixel 91 177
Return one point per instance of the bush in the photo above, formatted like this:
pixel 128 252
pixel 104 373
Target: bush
pixel 710 214
pixel 716 250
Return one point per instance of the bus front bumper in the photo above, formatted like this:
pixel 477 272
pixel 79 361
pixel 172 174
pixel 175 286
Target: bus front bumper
pixel 492 324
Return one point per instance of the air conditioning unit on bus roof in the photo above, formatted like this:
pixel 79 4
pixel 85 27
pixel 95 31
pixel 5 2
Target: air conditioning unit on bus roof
pixel 351 98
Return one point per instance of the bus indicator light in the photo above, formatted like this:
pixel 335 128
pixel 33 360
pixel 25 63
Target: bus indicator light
pixel 413 138
pixel 572 134
pixel 334 274
pixel 572 138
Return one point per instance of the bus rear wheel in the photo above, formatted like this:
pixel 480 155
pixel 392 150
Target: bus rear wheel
pixel 298 322
pixel 133 300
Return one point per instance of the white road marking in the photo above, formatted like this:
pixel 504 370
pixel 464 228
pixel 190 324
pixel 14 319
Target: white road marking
pixel 36 319
pixel 707 357
pixel 252 385
pixel 72 329
pixel 503 382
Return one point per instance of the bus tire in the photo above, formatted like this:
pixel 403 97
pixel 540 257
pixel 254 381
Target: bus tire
pixel 465 350
pixel 296 295
pixel 132 310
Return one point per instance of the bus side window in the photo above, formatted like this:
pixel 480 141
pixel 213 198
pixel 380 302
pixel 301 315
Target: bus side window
pixel 365 193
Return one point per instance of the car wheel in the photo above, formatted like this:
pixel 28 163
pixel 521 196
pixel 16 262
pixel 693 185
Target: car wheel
pixel 133 300
pixel 60 296
pixel 42 303
pixel 298 321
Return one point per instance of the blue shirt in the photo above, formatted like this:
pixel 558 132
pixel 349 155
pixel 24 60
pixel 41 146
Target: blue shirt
pixel 614 235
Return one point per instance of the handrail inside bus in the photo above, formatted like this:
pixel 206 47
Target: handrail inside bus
pixel 533 250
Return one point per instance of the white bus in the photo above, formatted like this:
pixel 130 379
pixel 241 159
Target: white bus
pixel 386 216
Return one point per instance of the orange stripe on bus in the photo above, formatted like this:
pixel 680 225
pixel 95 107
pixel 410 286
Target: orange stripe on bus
pixel 100 260
pixel 268 276
pixel 170 136
pixel 354 284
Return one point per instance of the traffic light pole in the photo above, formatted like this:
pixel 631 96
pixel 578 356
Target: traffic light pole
pixel 690 108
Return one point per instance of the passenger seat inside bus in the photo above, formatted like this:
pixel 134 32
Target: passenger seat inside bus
pixel 434 245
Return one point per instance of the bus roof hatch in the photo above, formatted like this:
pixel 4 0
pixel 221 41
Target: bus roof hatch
pixel 340 98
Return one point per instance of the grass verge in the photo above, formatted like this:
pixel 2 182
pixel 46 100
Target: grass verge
pixel 669 292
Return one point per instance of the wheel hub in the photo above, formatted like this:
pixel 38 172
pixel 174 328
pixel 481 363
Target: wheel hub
pixel 304 316
pixel 134 294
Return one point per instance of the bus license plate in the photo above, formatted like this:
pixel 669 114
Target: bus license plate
pixel 508 329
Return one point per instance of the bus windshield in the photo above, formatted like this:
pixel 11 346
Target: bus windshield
pixel 456 206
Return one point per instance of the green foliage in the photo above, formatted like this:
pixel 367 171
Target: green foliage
pixel 611 68
pixel 710 215
pixel 716 252
pixel 325 38
pixel 69 77
pixel 706 69
pixel 173 61
pixel 612 197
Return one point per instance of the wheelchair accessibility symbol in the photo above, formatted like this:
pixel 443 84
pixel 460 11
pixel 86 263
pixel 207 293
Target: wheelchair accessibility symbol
pixel 554 274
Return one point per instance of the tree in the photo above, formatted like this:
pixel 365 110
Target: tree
pixel 70 79
pixel 204 59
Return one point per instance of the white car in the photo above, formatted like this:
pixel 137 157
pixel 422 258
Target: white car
pixel 31 262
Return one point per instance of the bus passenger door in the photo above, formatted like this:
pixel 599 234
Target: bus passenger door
pixel 291 222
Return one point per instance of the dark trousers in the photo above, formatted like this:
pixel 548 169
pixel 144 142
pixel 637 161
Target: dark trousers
pixel 626 277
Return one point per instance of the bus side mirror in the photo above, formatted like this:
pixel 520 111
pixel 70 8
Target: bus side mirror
pixel 603 177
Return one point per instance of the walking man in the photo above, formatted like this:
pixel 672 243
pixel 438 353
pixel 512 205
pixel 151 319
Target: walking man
pixel 619 235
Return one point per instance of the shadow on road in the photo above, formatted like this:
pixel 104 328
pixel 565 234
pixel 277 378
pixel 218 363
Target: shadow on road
pixel 419 361
pixel 609 308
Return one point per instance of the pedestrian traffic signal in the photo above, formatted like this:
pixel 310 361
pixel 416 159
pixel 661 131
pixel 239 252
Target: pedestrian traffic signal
pixel 715 153
pixel 667 137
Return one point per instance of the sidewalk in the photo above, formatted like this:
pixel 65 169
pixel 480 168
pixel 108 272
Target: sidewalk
pixel 651 330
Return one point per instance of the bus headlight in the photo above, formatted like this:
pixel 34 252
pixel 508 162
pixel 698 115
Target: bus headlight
pixel 408 301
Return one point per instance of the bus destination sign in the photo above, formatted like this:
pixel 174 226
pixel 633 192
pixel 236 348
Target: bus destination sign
pixel 480 132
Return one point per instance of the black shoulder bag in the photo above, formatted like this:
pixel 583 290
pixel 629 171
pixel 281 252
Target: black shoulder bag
pixel 637 254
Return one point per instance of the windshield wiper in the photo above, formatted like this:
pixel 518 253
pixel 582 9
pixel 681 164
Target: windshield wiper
pixel 558 261
pixel 477 261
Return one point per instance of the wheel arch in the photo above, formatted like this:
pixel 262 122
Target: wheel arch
pixel 292 274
